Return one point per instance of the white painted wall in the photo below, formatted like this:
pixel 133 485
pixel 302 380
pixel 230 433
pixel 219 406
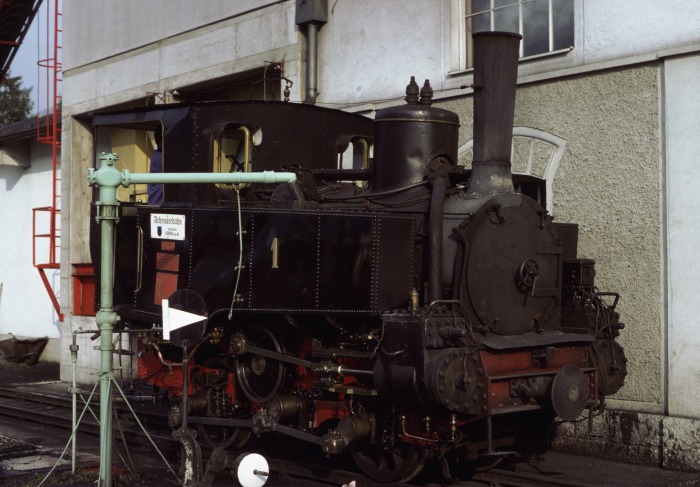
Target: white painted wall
pixel 616 29
pixel 99 29
pixel 25 307
pixel 368 50
pixel 118 51
pixel 682 103
pixel 108 66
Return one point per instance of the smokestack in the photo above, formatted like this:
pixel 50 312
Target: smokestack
pixel 495 80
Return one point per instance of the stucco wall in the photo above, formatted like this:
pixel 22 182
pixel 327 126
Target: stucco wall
pixel 609 182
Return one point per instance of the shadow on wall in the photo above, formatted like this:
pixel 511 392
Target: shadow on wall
pixel 11 175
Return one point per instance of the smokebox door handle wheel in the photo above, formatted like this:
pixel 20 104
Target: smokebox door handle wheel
pixel 527 274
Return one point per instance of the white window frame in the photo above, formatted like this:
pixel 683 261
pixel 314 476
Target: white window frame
pixel 459 40
pixel 546 172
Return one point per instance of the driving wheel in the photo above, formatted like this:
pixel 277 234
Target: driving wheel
pixel 260 378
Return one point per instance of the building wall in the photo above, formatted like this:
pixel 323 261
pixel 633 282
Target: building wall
pixel 614 30
pixel 132 24
pixel 25 306
pixel 368 54
pixel 682 125
pixel 145 65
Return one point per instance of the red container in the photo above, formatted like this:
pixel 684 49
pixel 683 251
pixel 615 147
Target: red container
pixel 83 290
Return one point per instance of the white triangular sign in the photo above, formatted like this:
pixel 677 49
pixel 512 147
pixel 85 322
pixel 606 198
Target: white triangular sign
pixel 175 318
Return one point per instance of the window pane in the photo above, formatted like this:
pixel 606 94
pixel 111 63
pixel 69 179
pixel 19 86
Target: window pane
pixel 535 27
pixel 563 24
pixel 507 16
pixel 481 21
pixel 531 186
pixel 543 31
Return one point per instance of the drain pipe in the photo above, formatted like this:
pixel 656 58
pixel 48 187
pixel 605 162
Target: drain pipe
pixel 312 14
pixel 311 63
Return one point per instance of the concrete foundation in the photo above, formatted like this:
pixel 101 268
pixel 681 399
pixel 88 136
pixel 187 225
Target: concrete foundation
pixel 633 437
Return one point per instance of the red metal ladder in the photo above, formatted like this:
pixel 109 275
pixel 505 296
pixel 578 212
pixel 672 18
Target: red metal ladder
pixel 49 132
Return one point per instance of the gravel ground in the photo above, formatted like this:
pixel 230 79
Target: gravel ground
pixel 23 373
pixel 31 450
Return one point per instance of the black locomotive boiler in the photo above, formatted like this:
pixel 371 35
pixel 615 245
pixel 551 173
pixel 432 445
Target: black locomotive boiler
pixel 389 303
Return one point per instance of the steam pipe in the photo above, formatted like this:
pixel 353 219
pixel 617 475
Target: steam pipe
pixel 437 207
pixel 495 81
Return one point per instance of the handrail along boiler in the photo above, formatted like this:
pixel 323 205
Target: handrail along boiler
pixel 400 309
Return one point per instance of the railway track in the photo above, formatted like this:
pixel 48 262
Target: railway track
pixel 290 464
pixel 507 478
pixel 56 411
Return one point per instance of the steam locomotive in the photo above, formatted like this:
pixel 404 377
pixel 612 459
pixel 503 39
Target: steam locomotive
pixel 389 302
